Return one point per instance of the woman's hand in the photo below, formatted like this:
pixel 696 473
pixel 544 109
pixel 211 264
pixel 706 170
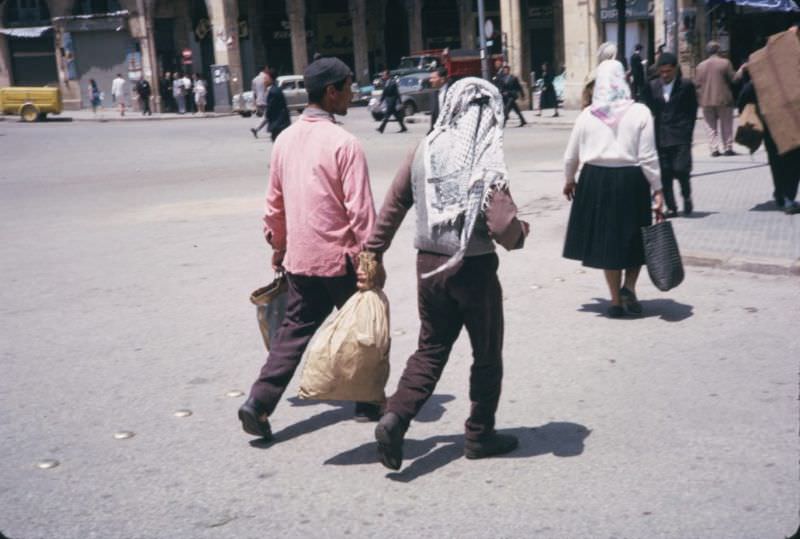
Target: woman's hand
pixel 569 189
pixel 658 206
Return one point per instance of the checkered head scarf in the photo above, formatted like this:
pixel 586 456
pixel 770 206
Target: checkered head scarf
pixel 464 160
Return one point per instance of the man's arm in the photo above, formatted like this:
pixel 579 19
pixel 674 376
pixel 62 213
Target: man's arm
pixel 275 213
pixel 398 201
pixel 357 201
pixel 501 218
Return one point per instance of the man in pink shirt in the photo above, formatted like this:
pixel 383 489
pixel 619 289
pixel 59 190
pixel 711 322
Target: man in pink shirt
pixel 319 213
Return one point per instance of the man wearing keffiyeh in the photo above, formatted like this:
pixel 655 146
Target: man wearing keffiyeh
pixel 456 180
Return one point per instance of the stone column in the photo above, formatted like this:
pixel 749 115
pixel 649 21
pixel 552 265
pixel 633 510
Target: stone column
pixel 296 10
pixel 141 29
pixel 6 78
pixel 466 24
pixel 358 13
pixel 414 9
pixel 659 36
pixel 224 16
pixel 511 26
pixel 581 39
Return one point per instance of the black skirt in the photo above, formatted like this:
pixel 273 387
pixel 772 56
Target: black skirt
pixel 609 209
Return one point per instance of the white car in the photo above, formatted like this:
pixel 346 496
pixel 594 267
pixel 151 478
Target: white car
pixel 294 91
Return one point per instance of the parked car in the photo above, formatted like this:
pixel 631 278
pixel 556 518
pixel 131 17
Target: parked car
pixel 293 88
pixel 416 95
pixel 30 103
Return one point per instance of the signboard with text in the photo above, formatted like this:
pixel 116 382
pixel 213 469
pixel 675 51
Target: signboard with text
pixel 634 10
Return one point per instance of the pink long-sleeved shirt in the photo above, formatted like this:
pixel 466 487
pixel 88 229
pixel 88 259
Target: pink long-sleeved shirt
pixel 319 205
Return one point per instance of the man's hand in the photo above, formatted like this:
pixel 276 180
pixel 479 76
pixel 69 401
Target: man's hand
pixel 569 189
pixel 277 260
pixel 370 273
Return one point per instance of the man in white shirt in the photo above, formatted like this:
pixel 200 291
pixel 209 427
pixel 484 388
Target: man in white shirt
pixel 259 88
pixel 118 93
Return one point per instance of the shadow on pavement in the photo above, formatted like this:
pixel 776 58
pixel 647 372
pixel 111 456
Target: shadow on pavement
pixel 668 310
pixel 769 205
pixel 562 439
pixel 432 411
pixel 699 214
pixel 724 170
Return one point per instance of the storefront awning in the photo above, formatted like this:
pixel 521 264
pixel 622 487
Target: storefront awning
pixel 32 31
pixel 769 5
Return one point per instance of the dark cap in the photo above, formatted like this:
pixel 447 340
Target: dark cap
pixel 320 73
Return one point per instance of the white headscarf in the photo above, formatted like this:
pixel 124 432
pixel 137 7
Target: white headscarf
pixel 464 159
pixel 612 96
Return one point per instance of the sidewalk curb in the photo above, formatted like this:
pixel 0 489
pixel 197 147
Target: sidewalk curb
pixel 767 266
pixel 65 118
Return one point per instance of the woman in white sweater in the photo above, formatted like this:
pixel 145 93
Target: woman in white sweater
pixel 613 145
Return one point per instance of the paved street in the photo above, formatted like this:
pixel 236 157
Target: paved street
pixel 127 254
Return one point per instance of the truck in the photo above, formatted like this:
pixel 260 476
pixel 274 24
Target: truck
pixel 31 103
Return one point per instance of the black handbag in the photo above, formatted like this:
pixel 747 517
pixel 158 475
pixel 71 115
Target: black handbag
pixel 661 254
pixel 270 302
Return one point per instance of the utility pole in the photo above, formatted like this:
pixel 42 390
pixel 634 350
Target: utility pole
pixel 482 33
pixel 621 20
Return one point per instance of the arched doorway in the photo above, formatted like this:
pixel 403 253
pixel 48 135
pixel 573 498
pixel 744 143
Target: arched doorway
pixel 396 33
pixel 30 43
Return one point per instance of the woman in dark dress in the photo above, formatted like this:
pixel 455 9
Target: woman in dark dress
pixel 548 98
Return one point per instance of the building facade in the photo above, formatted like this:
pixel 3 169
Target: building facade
pixel 68 42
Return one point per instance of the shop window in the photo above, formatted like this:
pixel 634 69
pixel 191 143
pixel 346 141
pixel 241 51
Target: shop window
pixel 27 13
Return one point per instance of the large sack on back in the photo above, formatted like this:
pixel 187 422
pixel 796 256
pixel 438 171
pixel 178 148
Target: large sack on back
pixel 775 70
pixel 348 358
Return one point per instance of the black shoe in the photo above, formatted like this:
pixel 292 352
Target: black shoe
pixel 403 130
pixel 494 444
pixel 254 419
pixel 791 207
pixel 366 412
pixel 730 153
pixel 670 214
pixel 254 132
pixel 688 207
pixel 715 153
pixel 389 433
pixel 379 130
pixel 556 115
pixel 629 301
pixel 523 124
pixel 615 311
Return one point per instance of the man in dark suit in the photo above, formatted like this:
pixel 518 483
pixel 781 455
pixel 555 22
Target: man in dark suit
pixel 637 73
pixel 673 101
pixel 277 113
pixel 512 90
pixel 439 82
pixel 391 99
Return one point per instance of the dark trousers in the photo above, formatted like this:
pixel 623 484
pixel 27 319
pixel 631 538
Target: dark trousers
pixel 310 301
pixel 676 164
pixel 467 296
pixel 392 111
pixel 511 104
pixel 145 105
pixel 785 171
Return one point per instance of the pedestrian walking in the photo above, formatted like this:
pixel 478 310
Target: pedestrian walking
pixel 319 213
pixel 390 99
pixel 548 98
pixel 118 93
pixel 95 97
pixel 513 91
pixel 439 82
pixel 714 80
pixel 614 141
pixel 144 91
pixel 165 91
pixel 785 169
pixel 277 113
pixel 456 180
pixel 179 92
pixel 200 93
pixel 259 88
pixel 637 73
pixel 673 102
pixel 188 91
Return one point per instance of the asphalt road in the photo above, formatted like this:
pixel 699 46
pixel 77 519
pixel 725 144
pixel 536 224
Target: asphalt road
pixel 127 255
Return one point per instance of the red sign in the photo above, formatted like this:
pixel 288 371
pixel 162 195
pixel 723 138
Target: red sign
pixel 186 54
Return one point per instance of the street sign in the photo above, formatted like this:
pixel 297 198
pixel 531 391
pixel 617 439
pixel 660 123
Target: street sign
pixel 488 28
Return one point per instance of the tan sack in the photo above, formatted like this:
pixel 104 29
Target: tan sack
pixel 775 70
pixel 348 358
pixel 270 302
